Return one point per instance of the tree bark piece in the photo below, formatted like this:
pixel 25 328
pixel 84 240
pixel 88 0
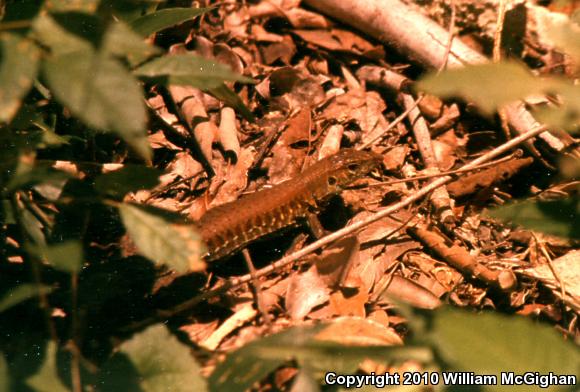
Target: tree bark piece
pixel 460 258
pixel 411 33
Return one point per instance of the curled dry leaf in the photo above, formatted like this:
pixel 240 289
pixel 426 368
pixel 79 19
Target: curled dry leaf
pixel 298 129
pixel 393 251
pixel 336 39
pixel 264 9
pixel 303 19
pixel 378 230
pixel 356 331
pixel 228 133
pixel 184 165
pixel 286 163
pixel 235 180
pixel 446 121
pixel 282 50
pixel 394 159
pixel 334 264
pixel 431 106
pixel 351 305
pixel 242 316
pixel 361 107
pixel 448 277
pixel 380 316
pixel 225 55
pixel 305 291
pixel 567 269
pixel 322 38
pixel 444 155
pixel 200 331
pixel 236 23
pixel 158 140
pixel 292 88
pixel 407 291
pixel 384 77
pixel 262 35
pixel 331 143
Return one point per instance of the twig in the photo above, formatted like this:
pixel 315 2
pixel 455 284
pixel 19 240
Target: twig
pixel 446 173
pixel 266 146
pixel 440 198
pixel 392 124
pixel 15 24
pixel 75 368
pixel 498 31
pixel 167 187
pixel 37 212
pixel 451 37
pixel 256 287
pixel 497 58
pixel 552 268
pixel 35 268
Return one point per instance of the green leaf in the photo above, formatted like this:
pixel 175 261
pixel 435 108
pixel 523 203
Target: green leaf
pixel 126 10
pixel 19 59
pixel 51 190
pixel 99 90
pixel 162 19
pixel 6 212
pixel 251 363
pixel 492 343
pixel 121 41
pixel 162 240
pixel 72 5
pixel 130 178
pixel 32 226
pixel 46 379
pixel 567 114
pixel 20 11
pixel 558 217
pixel 4 375
pixel 60 40
pixel 26 115
pixel 46 137
pixel 189 69
pixel 563 32
pixel 66 256
pixel 223 93
pixel 152 361
pixel 489 86
pixel 26 176
pixel 22 293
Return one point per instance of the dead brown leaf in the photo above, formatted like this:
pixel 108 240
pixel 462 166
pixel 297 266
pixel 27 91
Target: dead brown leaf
pixel 305 291
pixel 356 331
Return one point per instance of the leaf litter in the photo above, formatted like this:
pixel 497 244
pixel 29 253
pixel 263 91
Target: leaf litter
pixel 320 87
pixel 306 88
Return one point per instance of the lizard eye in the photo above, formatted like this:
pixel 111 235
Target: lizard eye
pixel 332 181
pixel 353 167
